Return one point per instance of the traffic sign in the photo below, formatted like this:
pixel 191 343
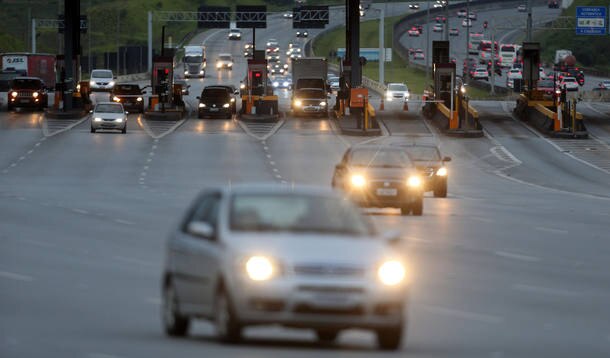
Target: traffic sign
pixel 590 20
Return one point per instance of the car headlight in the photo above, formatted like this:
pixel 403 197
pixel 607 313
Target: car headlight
pixel 119 120
pixel 323 104
pixel 298 103
pixel 218 65
pixel 441 172
pixel 139 99
pixel 14 94
pixel 408 95
pixel 259 268
pixel 111 83
pixel 91 83
pixel 186 72
pixel 230 65
pixel 226 105
pixel 202 71
pixel 391 273
pixel 242 86
pixel 358 181
pixel 232 100
pixel 201 105
pixel 285 84
pixel 35 94
pixel 275 84
pixel 116 99
pixel 97 119
pixel 414 181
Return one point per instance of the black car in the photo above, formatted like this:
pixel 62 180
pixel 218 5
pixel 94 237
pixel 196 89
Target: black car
pixel 6 76
pixel 130 96
pixel 380 176
pixel 217 101
pixel 431 166
pixel 27 92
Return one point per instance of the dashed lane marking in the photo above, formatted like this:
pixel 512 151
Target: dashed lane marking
pixel 51 127
pixel 545 290
pixel 159 128
pixel 261 130
pixel 514 256
pixel 551 230
pixel 15 276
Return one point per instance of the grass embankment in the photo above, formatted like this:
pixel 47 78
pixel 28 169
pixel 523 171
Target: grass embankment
pixel 590 51
pixel 395 71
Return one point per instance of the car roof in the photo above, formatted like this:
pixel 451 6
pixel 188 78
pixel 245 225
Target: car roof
pixel 108 102
pixel 27 78
pixel 224 54
pixel 274 188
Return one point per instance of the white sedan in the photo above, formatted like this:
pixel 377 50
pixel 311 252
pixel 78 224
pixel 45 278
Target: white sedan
pixel 569 83
pixel 109 115
pixel 480 73
pixel 298 257
pixel 397 91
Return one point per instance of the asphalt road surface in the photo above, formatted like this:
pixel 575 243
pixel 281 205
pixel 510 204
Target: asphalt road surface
pixel 513 263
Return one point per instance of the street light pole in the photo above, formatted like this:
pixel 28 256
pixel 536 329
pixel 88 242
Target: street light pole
pixel 381 46
pixel 427 39
pixel 33 35
pixel 529 20
pixel 465 75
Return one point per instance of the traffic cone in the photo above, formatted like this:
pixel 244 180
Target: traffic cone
pixel 381 105
pixel 405 107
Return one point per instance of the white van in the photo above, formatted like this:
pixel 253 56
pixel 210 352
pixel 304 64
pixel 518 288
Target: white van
pixel 101 80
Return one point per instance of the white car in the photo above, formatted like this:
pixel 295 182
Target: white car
pixel 472 16
pixel 419 55
pixel 333 83
pixel 109 115
pixel 101 80
pixel 234 34
pixel 437 28
pixel 397 91
pixel 295 53
pixel 466 23
pixel 413 32
pixel 522 8
pixel 569 83
pixel 302 33
pixel 272 43
pixel 287 15
pixel 279 255
pixel 224 61
pixel 605 84
pixel 461 13
pixel 481 73
pixel 512 75
pixel 454 32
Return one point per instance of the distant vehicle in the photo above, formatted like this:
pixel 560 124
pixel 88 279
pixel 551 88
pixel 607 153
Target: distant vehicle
pixel 27 92
pixel 431 166
pixel 234 34
pixel 413 31
pixel 561 55
pixel 194 61
pixel 273 58
pixel 508 54
pixel 268 254
pixel 569 83
pixel 215 101
pixel 398 91
pixel 109 115
pixel 282 82
pixel 440 19
pixel 40 65
pixel 466 23
pixel 185 86
pixel 333 83
pixel 295 53
pixel 461 13
pixel 419 55
pixel 472 16
pixel 420 28
pixel 546 86
pixel 287 15
pixel 454 32
pixel 310 88
pixel 485 51
pixel 273 43
pixel 248 49
pixel 522 8
pixel 380 176
pixel 277 69
pixel 481 73
pixel 414 6
pixel 224 61
pixel 541 73
pixel 129 95
pixel 512 75
pixel 473 42
pixel 605 84
pixel 437 27
pixel 101 80
pixel 302 33
pixel 232 92
pixel 553 4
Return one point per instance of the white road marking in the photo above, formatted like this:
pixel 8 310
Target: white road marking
pixel 124 222
pixel 71 124
pixel 551 230
pixel 485 220
pixel 266 148
pixel 275 170
pixel 545 290
pixel 15 276
pixel 36 243
pixel 80 211
pixel 473 316
pixel 132 260
pixel 268 155
pixel 514 256
pixel 272 162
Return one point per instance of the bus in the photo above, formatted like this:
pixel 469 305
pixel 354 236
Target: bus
pixel 473 42
pixel 508 54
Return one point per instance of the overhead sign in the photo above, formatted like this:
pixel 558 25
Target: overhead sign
pixel 370 54
pixel 213 17
pixel 590 20
pixel 310 17
pixel 61 24
pixel 248 17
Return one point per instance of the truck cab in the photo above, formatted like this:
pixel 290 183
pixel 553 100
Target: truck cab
pixel 194 61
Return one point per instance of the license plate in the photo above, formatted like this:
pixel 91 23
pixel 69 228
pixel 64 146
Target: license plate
pixel 331 300
pixel 387 192
pixel 213 109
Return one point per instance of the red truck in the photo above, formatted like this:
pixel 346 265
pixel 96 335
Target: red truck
pixel 40 65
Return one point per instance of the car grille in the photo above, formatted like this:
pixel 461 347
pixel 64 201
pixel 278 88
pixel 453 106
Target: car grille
pixel 307 309
pixel 311 102
pixel 25 93
pixel 397 95
pixel 428 171
pixel 102 83
pixel 328 270
pixel 108 119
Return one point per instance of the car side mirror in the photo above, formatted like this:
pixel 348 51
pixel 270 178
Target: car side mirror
pixel 198 97
pixel 446 159
pixel 200 229
pixel 91 111
pixel 236 93
pixel 188 86
pixel 126 112
pixel 340 166
pixel 391 236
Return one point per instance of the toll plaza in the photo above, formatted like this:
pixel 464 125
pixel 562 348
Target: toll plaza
pixel 166 100
pixel 257 99
pixel 555 115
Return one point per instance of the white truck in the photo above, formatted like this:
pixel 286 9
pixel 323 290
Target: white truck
pixel 194 61
pixel 309 86
pixel 508 54
pixel 560 55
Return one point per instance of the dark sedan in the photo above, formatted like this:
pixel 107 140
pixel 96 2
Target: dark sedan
pixel 130 96
pixel 380 176
pixel 431 166
pixel 28 92
pixel 216 101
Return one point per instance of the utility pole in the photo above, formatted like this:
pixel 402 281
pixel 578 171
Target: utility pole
pixel 381 46
pixel 446 25
pixel 529 20
pixel 465 75
pixel 427 40
pixel 150 44
pixel 493 62
pixel 118 25
pixel 89 21
pixel 33 35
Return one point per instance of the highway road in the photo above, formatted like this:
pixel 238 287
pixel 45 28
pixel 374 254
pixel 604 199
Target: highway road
pixel 513 263
pixel 504 23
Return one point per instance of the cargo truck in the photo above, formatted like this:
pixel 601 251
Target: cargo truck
pixel 309 86
pixel 194 61
pixel 39 65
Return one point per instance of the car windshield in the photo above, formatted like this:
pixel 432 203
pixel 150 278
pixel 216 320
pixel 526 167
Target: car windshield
pixel 296 213
pixel 214 92
pixel 101 74
pixel 225 57
pixel 193 59
pixel 127 89
pixel 26 83
pixel 421 153
pixel 311 93
pixel 109 108
pixel 397 87
pixel 379 157
pixel 569 79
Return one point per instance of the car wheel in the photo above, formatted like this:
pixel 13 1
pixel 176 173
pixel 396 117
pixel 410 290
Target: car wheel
pixel 92 130
pixel 417 208
pixel 124 130
pixel 440 191
pixel 9 107
pixel 227 327
pixel 175 324
pixel 389 338
pixel 327 335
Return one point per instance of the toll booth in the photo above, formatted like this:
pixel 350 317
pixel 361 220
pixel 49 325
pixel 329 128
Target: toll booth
pixel 531 64
pixel 257 97
pixel 162 83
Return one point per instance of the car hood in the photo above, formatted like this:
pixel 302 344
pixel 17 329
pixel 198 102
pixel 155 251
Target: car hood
pixel 291 249
pixel 378 173
pixel 108 115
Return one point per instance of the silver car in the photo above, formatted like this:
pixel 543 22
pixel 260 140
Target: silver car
pixel 109 115
pixel 298 257
pixel 397 91
pixel 101 80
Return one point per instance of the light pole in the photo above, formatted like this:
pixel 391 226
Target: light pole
pixel 427 39
pixel 465 75
pixel 381 45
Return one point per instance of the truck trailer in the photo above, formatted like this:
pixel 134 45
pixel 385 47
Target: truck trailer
pixel 309 86
pixel 41 65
